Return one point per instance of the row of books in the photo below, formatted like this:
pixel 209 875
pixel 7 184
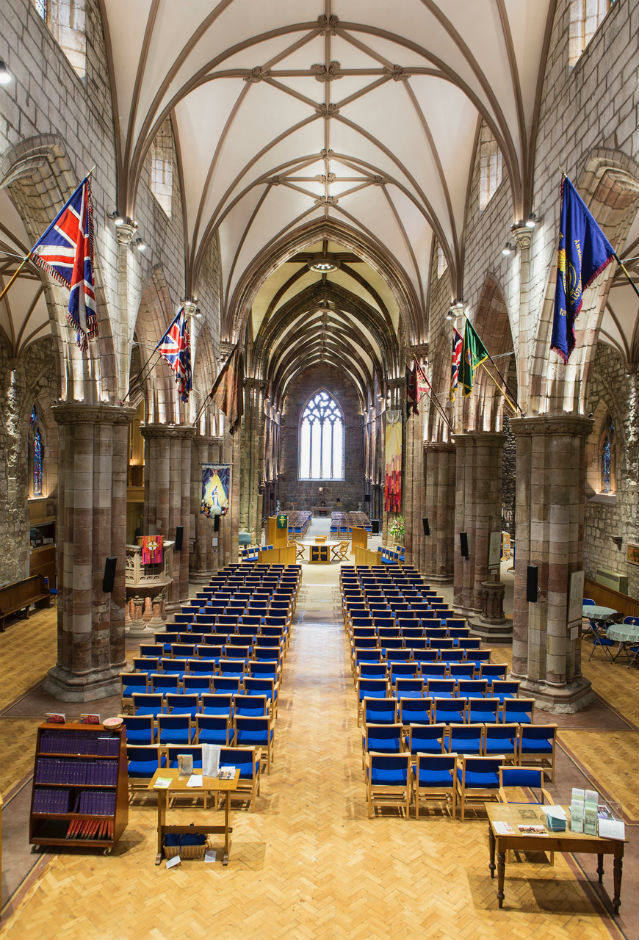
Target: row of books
pixel 88 802
pixel 95 802
pixel 78 772
pixel 90 829
pixel 79 742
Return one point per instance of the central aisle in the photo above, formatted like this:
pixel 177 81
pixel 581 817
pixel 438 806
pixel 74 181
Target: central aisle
pixel 308 863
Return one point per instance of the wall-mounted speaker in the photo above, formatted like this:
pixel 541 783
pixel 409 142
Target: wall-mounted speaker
pixel 109 573
pixel 179 537
pixel 367 497
pixel 374 526
pixel 463 544
pixel 426 525
pixel 532 583
pixel 216 523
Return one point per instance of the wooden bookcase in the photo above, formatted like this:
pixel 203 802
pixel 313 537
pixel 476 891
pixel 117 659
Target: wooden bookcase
pixel 80 786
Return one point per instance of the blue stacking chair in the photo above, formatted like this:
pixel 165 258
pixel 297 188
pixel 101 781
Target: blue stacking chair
pixel 440 688
pixel 477 777
pixel 378 711
pixel 472 687
pixel 217 704
pixel 267 687
pixel 247 761
pixel 372 671
pixel 465 739
pixel 212 729
pixel 504 688
pixel 197 685
pixel 384 739
pixel 483 710
pixel 537 743
pixel 173 667
pixel 434 670
pixel 388 781
pixel 133 682
pixel 174 752
pixel 265 669
pixel 182 704
pixel 426 739
pixel 528 778
pixel 255 732
pixel 251 705
pixel 426 655
pixel 408 687
pixel 434 775
pixel 147 703
pixel 415 711
pixel 461 670
pixel 502 739
pixel 147 664
pixel 165 685
pixel 140 729
pixel 469 642
pixel 492 671
pixel 519 710
pixel 183 650
pixel 207 653
pixel 142 762
pixel 228 684
pixel 174 729
pixel 448 710
pixel 152 650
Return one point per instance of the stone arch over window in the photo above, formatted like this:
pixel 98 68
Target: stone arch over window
pixel 162 167
pixel 603 451
pixel 321 439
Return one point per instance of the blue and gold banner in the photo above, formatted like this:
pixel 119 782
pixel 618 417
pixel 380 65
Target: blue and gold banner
pixel 584 251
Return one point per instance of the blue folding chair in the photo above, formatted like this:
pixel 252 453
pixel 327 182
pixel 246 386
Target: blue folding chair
pixel 434 777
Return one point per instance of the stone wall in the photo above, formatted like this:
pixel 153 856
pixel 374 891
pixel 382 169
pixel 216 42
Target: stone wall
pixel 33 378
pixel 304 493
pixel 613 391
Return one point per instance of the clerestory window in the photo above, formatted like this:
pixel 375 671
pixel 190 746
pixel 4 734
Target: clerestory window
pixel 321 439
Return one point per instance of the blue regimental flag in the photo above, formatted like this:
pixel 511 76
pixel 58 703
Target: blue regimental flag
pixel 584 251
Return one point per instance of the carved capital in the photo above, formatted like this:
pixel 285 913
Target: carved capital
pixel 522 235
pixel 149 431
pixel 562 423
pixel 77 412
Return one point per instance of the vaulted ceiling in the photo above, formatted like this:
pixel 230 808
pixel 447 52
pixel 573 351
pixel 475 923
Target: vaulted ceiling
pixel 361 115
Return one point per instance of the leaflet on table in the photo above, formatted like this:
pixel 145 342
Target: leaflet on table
pixel 612 829
pixel 162 783
pixel 195 780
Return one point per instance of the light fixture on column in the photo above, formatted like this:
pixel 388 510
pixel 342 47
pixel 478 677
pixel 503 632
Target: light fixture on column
pixel 531 221
pixel 140 244
pixel 508 249
pixel 456 309
pixel 5 75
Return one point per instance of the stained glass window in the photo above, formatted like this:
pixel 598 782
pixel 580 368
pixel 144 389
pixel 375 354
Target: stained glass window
pixel 607 457
pixel 321 440
pixel 37 463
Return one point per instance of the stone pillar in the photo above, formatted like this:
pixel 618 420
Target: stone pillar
pixel 91 526
pixel 167 496
pixel 439 509
pixel 551 469
pixel 204 557
pixel 252 458
pixel 477 512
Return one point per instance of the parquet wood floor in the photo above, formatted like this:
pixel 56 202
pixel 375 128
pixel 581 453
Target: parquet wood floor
pixel 27 649
pixel 308 862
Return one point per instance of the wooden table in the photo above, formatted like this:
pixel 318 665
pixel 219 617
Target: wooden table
pixel 550 842
pixel 179 785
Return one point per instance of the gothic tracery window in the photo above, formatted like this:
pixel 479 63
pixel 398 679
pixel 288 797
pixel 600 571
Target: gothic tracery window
pixel 321 439
pixel 607 457
pixel 36 454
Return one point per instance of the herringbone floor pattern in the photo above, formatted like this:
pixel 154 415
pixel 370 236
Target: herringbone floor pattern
pixel 308 862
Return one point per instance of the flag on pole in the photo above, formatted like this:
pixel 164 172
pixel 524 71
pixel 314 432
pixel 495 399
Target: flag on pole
pixel 411 390
pixel 175 346
pixel 65 251
pixel 228 389
pixel 583 253
pixel 458 342
pixel 473 354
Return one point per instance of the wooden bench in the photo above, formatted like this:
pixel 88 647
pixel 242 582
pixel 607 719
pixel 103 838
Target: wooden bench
pixel 19 596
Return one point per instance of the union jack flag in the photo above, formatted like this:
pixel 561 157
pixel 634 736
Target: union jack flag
pixel 455 362
pixel 175 346
pixel 65 251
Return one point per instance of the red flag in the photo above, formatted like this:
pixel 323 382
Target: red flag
pixel 228 389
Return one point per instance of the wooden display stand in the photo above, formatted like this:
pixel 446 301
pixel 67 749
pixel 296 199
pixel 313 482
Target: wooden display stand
pixel 359 538
pixel 80 786
pixel 364 557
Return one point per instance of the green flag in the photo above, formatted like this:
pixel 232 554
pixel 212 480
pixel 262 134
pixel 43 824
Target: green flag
pixel 282 521
pixel 473 354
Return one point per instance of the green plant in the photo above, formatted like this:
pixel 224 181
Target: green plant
pixel 396 529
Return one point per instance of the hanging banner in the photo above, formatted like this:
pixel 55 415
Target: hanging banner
pixel 216 489
pixel 393 457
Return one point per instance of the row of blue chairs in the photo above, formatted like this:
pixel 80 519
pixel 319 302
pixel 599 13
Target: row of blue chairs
pixel 254 682
pixel 473 664
pixel 394 779
pixel 432 708
pixel 514 742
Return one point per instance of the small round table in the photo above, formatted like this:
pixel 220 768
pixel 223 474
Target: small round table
pixel 626 635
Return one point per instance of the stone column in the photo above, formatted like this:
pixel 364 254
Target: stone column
pixel 477 512
pixel 252 458
pixel 167 496
pixel 549 534
pixel 204 557
pixel 91 526
pixel 439 509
